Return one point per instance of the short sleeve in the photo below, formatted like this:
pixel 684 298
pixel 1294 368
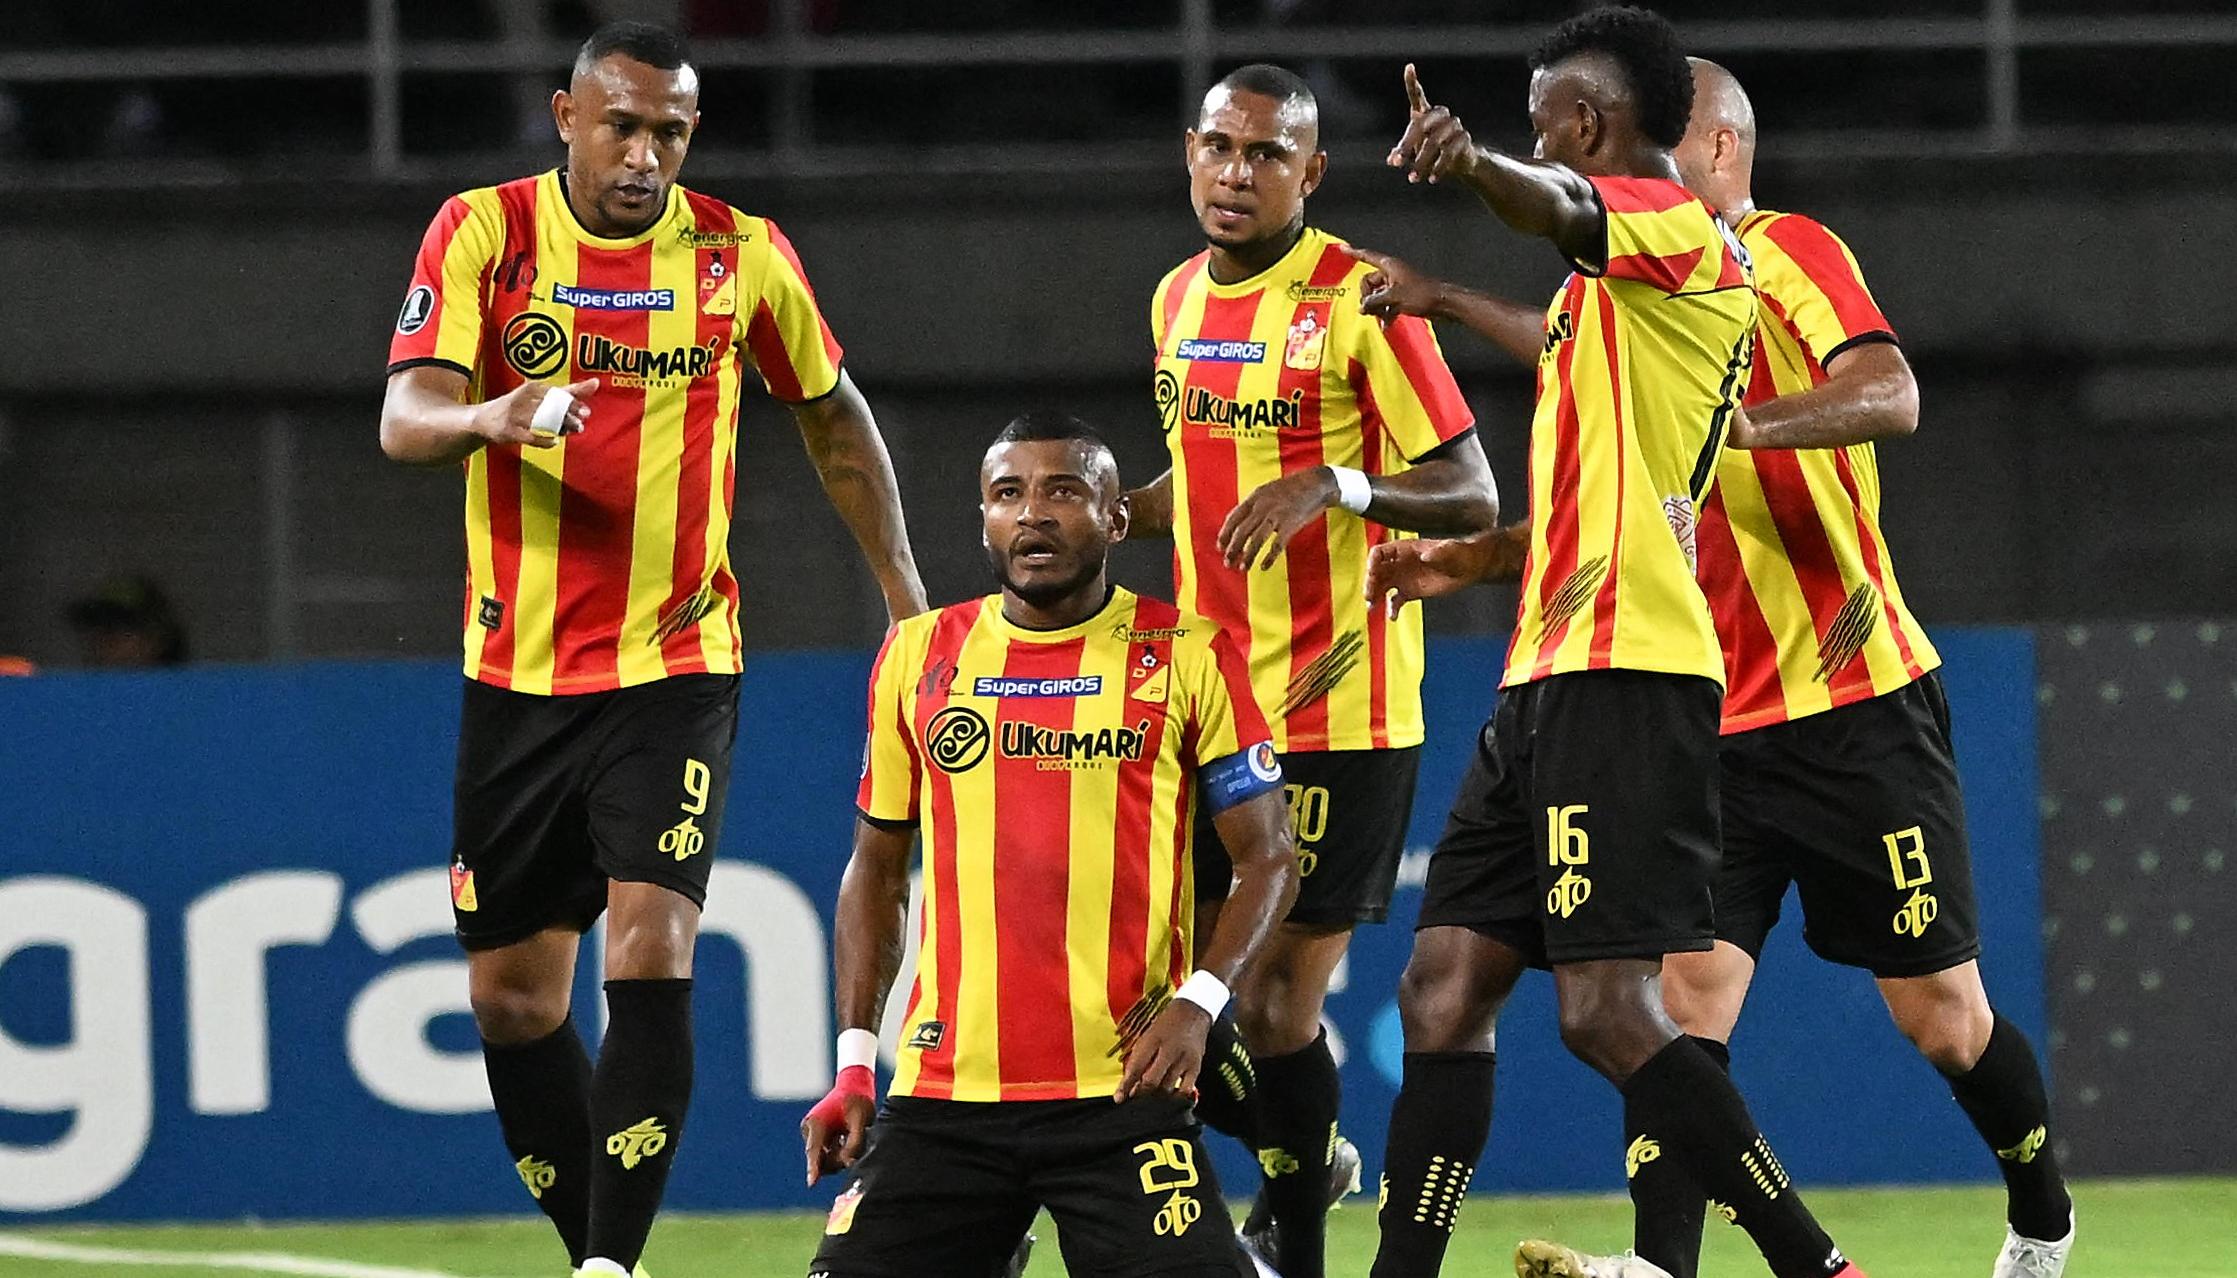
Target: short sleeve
pixel 1224 718
pixel 441 321
pixel 890 768
pixel 1402 380
pixel 1809 278
pixel 1659 235
pixel 786 336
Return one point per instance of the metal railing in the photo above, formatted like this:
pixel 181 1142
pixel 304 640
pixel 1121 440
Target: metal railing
pixel 1193 46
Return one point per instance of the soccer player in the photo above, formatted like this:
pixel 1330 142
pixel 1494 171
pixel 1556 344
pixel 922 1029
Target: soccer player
pixel 581 341
pixel 1054 742
pixel 1585 834
pixel 1836 767
pixel 1302 435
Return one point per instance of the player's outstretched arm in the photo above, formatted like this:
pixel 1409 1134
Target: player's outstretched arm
pixel 1869 393
pixel 850 456
pixel 1150 508
pixel 866 953
pixel 424 422
pixel 1397 288
pixel 1399 572
pixel 1535 197
pixel 1449 491
pixel 1256 833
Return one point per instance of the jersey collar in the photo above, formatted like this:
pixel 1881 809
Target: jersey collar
pixel 1119 606
pixel 1307 247
pixel 555 192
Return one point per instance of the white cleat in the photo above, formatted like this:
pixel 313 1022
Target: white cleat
pixel 1539 1259
pixel 2032 1258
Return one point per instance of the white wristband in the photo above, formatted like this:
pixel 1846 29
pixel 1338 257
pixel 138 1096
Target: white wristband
pixel 551 414
pixel 1352 490
pixel 1204 989
pixel 858 1047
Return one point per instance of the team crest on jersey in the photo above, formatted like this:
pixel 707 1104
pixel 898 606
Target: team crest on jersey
pixel 1150 679
pixel 718 288
pixel 1307 339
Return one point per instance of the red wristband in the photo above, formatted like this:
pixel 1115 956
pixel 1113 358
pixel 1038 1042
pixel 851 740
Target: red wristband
pixel 854 1080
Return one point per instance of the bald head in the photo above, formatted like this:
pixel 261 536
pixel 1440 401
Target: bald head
pixel 1717 157
pixel 1296 111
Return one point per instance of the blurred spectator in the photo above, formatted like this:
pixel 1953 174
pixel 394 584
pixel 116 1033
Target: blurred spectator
pixel 128 623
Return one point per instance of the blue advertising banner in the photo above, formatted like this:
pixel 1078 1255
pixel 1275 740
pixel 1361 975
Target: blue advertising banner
pixel 228 986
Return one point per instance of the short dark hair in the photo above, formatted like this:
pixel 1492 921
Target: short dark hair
pixel 655 46
pixel 1645 45
pixel 1040 424
pixel 1270 81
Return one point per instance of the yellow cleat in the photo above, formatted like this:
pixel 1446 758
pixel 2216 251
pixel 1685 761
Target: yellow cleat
pixel 1539 1259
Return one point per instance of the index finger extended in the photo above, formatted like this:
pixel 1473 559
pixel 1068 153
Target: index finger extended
pixel 1380 261
pixel 1416 100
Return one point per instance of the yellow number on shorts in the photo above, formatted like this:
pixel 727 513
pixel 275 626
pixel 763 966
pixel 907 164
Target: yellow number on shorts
pixel 1906 858
pixel 1308 811
pixel 1566 843
pixel 1170 1165
pixel 697 779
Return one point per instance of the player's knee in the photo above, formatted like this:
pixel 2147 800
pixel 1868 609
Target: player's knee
pixel 1610 1027
pixel 1444 1005
pixel 507 1013
pixel 1951 1033
pixel 652 937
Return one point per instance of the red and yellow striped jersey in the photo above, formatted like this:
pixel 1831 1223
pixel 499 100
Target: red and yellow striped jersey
pixel 604 562
pixel 1267 377
pixel 1642 364
pixel 1054 776
pixel 1792 558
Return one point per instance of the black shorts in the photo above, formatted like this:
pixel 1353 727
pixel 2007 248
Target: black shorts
pixel 1586 827
pixel 558 795
pixel 1349 810
pixel 1859 808
pixel 948 1188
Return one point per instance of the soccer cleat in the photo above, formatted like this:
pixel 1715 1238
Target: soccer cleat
pixel 1015 1266
pixel 2031 1258
pixel 1539 1259
pixel 1343 1173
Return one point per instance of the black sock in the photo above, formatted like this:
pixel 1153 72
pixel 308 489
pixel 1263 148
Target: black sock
pixel 1667 1205
pixel 1227 1086
pixel 1689 1109
pixel 542 1092
pixel 2003 1095
pixel 1437 1131
pixel 637 1103
pixel 1298 1096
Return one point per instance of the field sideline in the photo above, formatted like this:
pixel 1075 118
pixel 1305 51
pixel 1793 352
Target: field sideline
pixel 2139 1228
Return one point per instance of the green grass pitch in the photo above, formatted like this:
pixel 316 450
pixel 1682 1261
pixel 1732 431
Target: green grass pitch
pixel 2139 1228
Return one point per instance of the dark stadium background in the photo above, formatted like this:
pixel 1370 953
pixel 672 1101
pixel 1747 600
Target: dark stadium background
pixel 210 210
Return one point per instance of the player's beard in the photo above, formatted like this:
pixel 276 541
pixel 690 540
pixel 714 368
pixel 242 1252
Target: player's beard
pixel 1047 591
